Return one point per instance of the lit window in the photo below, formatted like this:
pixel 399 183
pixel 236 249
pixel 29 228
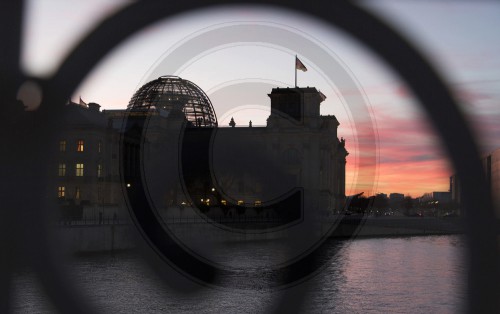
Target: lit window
pixel 240 202
pixel 224 202
pixel 79 170
pixel 77 193
pixel 62 170
pixel 99 147
pixel 258 203
pixel 99 170
pixel 62 145
pixel 61 191
pixel 79 146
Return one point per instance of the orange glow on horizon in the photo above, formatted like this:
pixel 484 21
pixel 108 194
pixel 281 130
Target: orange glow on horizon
pixel 409 178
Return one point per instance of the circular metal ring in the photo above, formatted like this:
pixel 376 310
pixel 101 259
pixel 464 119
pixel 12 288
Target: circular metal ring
pixel 390 46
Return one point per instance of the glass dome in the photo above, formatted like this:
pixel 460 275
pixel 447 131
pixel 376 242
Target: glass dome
pixel 168 93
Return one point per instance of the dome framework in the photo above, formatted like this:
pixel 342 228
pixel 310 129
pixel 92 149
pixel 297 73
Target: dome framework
pixel 172 93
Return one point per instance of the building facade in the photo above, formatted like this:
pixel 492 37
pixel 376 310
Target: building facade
pixel 249 166
pixel 491 164
pixel 85 164
pixel 492 168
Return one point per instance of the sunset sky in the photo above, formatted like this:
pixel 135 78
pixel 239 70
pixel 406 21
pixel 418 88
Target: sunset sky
pixel 459 38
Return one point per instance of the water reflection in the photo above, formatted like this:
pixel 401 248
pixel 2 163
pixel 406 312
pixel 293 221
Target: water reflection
pixel 404 275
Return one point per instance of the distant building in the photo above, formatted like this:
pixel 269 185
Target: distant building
pixel 441 197
pixel 382 195
pixel 396 199
pixel 455 190
pixel 492 168
pixel 86 164
pixel 381 202
pixel 491 164
pixel 298 145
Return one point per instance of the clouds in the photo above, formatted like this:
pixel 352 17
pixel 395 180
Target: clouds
pixel 411 155
pixel 480 101
pixel 410 158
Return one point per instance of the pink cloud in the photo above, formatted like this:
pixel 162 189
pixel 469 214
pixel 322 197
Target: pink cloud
pixel 410 159
pixel 471 96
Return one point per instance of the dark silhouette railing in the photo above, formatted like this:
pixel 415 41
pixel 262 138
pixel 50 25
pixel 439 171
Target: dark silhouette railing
pixel 23 217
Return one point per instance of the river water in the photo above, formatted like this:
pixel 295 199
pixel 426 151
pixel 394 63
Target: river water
pixel 379 275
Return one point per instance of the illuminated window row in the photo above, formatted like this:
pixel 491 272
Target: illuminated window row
pixel 61 192
pixel 80 146
pixel 242 203
pixel 79 170
pixel 224 202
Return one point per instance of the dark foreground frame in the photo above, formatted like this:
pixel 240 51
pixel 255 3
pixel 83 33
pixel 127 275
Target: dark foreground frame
pixel 25 237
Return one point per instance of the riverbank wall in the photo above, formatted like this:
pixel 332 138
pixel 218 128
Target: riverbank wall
pixel 86 238
pixel 397 226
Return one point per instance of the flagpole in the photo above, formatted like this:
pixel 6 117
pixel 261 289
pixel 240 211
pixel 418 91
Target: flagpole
pixel 298 65
pixel 295 66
